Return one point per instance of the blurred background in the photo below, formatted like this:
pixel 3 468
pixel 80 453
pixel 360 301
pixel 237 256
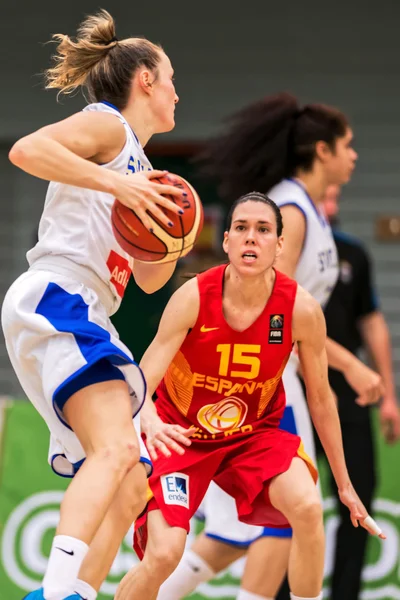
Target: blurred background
pixel 225 54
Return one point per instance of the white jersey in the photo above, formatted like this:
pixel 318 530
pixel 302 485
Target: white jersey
pixel 317 269
pixel 76 222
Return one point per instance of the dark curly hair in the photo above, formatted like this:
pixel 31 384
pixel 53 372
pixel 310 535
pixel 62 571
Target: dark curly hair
pixel 267 141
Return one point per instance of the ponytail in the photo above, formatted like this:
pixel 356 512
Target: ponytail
pixel 98 61
pixel 267 141
pixel 252 152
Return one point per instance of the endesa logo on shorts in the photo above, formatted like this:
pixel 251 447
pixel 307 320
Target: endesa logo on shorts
pixel 175 489
pixel 120 272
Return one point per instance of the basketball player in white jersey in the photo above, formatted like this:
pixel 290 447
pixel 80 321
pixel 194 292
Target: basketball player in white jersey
pixel 56 317
pixel 301 152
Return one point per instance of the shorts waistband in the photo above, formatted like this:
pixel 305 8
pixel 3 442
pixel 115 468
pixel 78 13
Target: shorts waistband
pixel 61 265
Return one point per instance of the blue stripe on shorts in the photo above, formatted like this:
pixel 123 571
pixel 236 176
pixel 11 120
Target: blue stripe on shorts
pixel 235 543
pixel 69 313
pixel 100 371
pixel 76 466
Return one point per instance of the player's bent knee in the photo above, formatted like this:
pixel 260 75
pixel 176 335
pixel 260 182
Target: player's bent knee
pixel 306 512
pixel 121 456
pixel 128 455
pixel 166 557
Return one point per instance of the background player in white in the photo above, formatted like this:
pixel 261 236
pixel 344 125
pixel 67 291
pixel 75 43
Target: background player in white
pixel 55 317
pixel 295 153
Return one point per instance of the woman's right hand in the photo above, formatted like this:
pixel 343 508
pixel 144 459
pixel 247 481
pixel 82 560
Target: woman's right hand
pixel 143 195
pixel 358 512
pixel 163 437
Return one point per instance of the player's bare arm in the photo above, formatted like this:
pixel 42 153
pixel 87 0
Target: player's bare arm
pixel 67 152
pixel 179 316
pixel 309 330
pixel 367 383
pixel 60 151
pixel 152 277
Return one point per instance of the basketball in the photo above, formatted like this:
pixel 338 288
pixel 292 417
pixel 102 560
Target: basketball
pixel 165 244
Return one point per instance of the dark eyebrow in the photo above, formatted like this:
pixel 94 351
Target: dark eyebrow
pixel 258 222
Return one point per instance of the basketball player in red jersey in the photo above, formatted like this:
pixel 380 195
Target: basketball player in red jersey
pixel 222 345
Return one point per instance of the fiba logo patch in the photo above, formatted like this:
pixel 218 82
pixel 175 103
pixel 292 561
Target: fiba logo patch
pixel 175 488
pixel 276 321
pixel 275 329
pixel 225 415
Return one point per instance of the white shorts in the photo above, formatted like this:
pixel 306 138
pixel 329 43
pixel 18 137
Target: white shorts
pixel 55 329
pixel 219 509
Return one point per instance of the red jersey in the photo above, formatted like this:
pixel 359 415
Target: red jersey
pixel 227 382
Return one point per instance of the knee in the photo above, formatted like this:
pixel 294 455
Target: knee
pixel 164 558
pixel 307 513
pixel 121 456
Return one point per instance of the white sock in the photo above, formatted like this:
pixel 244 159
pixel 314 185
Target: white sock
pixel 244 595
pixel 191 571
pixel 66 556
pixel 85 590
pixel 293 597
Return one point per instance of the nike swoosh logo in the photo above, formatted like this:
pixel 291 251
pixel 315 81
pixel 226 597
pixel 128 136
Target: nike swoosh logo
pixel 204 329
pixel 70 552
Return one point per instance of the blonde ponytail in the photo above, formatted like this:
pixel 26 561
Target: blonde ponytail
pixel 75 59
pixel 99 62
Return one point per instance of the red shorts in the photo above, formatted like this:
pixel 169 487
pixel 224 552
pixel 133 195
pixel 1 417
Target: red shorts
pixel 243 468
